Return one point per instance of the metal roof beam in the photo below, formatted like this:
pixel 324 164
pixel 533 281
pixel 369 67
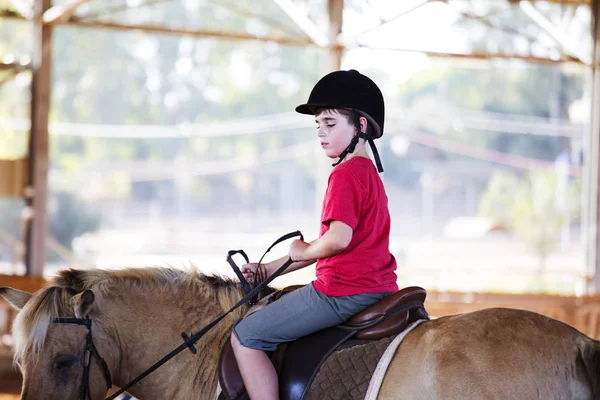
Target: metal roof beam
pixel 11 70
pixel 62 12
pixel 13 66
pixel 187 32
pixel 555 33
pixel 483 56
pixel 22 9
pixel 385 21
pixel 75 21
pixel 562 2
pixel 308 27
pixel 13 15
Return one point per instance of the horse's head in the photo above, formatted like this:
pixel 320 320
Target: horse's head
pixel 137 316
pixel 54 345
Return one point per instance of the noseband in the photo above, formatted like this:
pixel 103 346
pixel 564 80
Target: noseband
pixel 90 350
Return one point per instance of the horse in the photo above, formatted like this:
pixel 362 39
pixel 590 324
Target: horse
pixel 137 316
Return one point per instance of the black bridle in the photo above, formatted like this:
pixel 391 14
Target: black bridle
pixel 90 350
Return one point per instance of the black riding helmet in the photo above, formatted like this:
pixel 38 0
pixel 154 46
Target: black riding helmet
pixel 354 91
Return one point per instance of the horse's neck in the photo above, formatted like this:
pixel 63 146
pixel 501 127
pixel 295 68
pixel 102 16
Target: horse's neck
pixel 156 330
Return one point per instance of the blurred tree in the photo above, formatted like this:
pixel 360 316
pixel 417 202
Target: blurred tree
pixel 535 208
pixel 150 79
pixel 540 91
pixel 69 217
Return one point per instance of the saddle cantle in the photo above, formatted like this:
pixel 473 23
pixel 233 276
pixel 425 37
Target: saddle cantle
pixel 298 362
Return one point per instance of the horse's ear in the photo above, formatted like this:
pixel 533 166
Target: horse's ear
pixel 16 298
pixel 83 303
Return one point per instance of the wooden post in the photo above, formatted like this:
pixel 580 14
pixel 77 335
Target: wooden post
pixel 592 217
pixel 335 10
pixel 36 194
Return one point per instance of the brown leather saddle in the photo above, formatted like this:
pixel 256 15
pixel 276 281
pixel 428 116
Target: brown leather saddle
pixel 298 362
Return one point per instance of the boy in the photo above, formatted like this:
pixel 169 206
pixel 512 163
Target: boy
pixel 354 266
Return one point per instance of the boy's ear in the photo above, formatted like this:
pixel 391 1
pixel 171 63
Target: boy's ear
pixel 363 124
pixel 83 303
pixel 16 298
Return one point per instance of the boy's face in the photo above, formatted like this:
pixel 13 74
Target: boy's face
pixel 334 131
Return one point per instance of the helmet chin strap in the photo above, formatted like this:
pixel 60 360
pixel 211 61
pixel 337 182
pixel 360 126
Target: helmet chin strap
pixel 352 146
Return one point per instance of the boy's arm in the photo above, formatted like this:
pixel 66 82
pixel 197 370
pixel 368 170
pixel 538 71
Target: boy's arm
pixel 334 241
pixel 275 264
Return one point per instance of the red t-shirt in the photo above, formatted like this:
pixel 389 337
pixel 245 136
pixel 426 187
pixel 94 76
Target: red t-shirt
pixel 355 195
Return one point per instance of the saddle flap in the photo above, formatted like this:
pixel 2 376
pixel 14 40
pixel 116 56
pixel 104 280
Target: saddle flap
pixel 230 378
pixel 304 357
pixel 301 360
pixel 387 305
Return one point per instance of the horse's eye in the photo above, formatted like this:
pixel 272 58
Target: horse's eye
pixel 64 361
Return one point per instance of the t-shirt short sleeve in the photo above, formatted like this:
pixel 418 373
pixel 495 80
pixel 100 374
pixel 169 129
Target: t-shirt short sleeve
pixel 343 199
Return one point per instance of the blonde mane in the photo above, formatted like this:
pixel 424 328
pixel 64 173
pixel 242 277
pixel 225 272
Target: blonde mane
pixel 55 300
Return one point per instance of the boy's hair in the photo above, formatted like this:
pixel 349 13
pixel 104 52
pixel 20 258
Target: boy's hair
pixel 352 116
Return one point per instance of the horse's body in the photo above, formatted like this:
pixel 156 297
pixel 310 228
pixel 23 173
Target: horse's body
pixel 138 316
pixel 495 354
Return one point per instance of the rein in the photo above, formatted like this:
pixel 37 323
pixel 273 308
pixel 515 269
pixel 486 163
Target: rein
pixel 245 285
pixel 251 294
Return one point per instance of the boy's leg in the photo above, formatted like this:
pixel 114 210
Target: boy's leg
pixel 296 314
pixel 258 372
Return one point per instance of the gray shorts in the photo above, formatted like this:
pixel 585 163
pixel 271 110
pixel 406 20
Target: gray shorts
pixel 299 313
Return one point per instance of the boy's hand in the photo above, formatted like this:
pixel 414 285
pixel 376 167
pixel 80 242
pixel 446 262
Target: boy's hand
pixel 249 270
pixel 297 250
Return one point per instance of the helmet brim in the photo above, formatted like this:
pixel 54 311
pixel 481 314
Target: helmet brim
pixel 308 108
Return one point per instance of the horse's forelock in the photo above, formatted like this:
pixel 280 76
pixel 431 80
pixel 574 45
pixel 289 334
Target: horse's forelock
pixel 71 279
pixel 32 322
